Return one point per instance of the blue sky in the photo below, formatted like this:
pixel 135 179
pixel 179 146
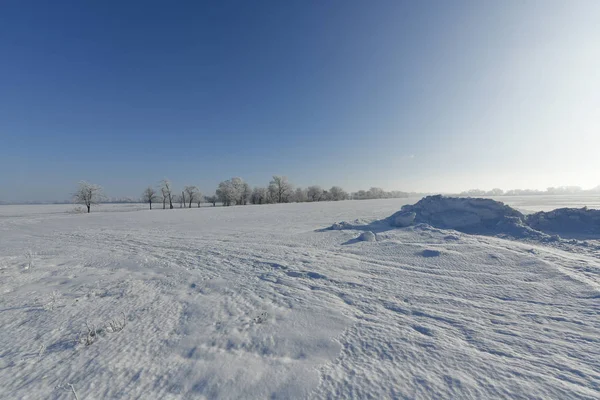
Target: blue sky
pixel 423 96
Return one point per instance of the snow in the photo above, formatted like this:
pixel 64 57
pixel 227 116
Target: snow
pixel 565 221
pixel 263 302
pixel 367 236
pixel 464 214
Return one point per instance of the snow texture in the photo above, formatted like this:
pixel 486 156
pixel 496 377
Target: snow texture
pixel 257 302
pixel 367 236
pixel 565 221
pixel 463 214
pixel 490 217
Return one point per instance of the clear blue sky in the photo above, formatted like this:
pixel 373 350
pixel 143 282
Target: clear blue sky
pixel 415 95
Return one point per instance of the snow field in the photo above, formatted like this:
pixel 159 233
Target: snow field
pixel 260 302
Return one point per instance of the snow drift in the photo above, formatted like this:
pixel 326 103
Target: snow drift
pixel 485 217
pixel 469 215
pixel 566 221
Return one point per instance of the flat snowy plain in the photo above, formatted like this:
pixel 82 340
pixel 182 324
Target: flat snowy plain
pixel 256 302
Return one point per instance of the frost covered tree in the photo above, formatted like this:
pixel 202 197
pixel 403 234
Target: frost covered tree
pixel 300 195
pixel 165 188
pixel 233 191
pixel 237 190
pixel 259 195
pixel 226 193
pixel 336 193
pixel 88 194
pixel 192 194
pixel 199 198
pixel 149 195
pixel 376 193
pixel 315 193
pixel 280 189
pixel 246 193
pixel 211 199
pixel 178 199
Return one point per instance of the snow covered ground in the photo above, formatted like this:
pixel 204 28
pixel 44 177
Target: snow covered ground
pixel 260 302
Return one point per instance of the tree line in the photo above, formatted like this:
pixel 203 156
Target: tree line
pixel 561 190
pixel 235 191
pixel 231 192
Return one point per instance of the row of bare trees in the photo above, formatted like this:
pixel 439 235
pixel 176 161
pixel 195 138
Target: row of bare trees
pixel 165 194
pixel 237 192
pixel 233 191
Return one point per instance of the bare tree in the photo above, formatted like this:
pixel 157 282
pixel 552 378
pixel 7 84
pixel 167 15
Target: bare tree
pixel 165 188
pixel 199 198
pixel 182 200
pixel 280 188
pixel 149 195
pixel 192 192
pixel 88 194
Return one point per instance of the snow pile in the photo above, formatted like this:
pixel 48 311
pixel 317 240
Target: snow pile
pixel 345 225
pixel 566 220
pixel 339 226
pixel 483 217
pixel 462 214
pixel 403 218
pixel 367 236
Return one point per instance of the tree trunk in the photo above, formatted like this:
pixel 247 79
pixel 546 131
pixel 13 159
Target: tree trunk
pixel 150 204
pixel 170 202
pixel 88 209
pixel 191 198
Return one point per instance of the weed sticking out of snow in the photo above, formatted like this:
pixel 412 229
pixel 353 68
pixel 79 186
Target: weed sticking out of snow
pixel 116 325
pixel 52 301
pixel 69 388
pixel 262 317
pixel 91 333
pixel 29 260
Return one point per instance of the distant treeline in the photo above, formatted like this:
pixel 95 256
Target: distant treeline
pixel 235 191
pixel 561 190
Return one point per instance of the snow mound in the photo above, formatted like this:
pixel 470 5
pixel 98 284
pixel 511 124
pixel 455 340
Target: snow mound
pixel 339 226
pixel 482 217
pixel 345 225
pixel 462 214
pixel 402 219
pixel 566 220
pixel 367 236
